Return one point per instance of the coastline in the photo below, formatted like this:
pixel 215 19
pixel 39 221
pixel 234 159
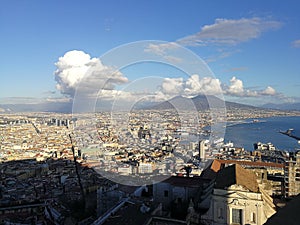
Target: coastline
pixel 255 120
pixel 246 134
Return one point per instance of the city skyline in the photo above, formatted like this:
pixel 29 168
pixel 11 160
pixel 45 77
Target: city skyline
pixel 252 50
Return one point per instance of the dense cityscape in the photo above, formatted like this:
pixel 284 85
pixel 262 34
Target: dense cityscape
pixel 66 169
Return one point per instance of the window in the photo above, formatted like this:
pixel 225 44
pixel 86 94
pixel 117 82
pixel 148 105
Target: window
pixel 253 217
pixel 236 216
pixel 220 213
pixel 166 193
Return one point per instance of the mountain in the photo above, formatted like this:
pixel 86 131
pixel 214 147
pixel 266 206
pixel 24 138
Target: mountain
pixel 283 106
pixel 178 102
pixel 200 102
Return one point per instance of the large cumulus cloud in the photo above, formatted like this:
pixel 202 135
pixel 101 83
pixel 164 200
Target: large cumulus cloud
pixel 76 69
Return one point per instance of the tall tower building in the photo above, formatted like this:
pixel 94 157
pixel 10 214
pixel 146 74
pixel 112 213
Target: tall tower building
pixel 292 175
pixel 202 147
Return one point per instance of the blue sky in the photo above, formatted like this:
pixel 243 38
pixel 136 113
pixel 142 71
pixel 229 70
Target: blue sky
pixel 252 47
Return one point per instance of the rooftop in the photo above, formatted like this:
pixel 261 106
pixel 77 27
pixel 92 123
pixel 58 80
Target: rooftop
pixel 236 174
pixel 180 181
pixel 128 214
pixel 211 171
pixel 253 164
pixel 217 164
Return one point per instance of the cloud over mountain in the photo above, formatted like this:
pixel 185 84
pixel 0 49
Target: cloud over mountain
pixel 196 85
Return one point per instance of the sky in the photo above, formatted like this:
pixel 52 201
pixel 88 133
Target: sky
pixel 251 49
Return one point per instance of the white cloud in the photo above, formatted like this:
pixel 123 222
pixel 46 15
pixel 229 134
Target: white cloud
pixel 269 91
pixel 78 68
pixel 223 32
pixel 193 86
pixel 229 32
pixel 115 95
pixel 221 54
pixel 173 59
pixel 163 50
pixel 172 86
pixel 160 49
pixel 64 99
pixel 296 43
pixel 207 85
pixel 236 87
pixel 251 93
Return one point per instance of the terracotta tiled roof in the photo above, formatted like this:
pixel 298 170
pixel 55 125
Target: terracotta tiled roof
pixel 211 171
pixel 236 174
pixel 254 164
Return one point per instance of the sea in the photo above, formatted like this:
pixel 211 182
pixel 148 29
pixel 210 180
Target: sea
pixel 246 133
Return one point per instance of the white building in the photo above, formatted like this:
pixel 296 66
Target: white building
pixel 237 199
pixel 125 169
pixel 202 149
pixel 145 168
